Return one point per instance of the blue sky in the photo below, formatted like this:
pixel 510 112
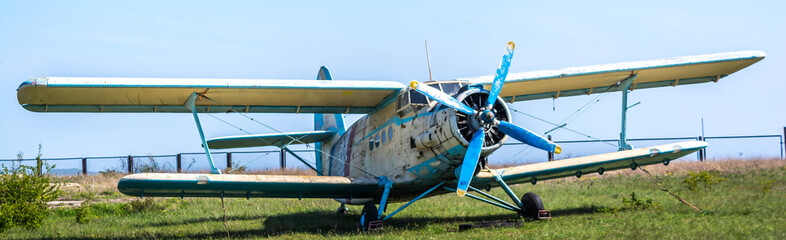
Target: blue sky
pixel 380 41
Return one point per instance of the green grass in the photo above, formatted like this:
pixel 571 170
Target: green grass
pixel 738 207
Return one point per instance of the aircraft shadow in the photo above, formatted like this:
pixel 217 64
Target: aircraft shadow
pixel 326 223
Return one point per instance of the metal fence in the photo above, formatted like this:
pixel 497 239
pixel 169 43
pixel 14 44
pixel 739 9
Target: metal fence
pixel 752 146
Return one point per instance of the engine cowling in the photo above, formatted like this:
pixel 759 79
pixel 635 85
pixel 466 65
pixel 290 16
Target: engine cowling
pixel 467 125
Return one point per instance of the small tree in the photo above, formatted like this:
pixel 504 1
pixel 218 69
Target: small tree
pixel 23 195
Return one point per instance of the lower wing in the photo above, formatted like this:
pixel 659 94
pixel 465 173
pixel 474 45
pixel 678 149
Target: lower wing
pixel 247 186
pixel 591 164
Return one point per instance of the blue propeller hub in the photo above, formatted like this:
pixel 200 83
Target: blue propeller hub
pixel 487 116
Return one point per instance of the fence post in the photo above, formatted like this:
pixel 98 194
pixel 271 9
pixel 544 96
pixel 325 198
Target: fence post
pixel 84 166
pixel 783 142
pixel 179 163
pixel 283 159
pixel 130 164
pixel 551 154
pixel 229 160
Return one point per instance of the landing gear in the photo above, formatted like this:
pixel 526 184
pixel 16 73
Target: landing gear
pixel 342 210
pixel 369 217
pixel 533 207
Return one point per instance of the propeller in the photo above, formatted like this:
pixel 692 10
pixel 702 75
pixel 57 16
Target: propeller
pixel 487 119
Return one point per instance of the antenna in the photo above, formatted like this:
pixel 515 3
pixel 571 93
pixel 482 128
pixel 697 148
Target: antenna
pixel 428 61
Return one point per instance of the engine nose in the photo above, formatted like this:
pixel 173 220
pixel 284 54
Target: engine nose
pixel 466 125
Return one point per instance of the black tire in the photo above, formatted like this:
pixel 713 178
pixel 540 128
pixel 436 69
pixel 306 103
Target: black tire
pixel 341 211
pixel 532 205
pixel 368 214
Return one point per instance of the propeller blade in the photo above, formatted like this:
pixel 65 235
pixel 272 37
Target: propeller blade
pixel 502 73
pixel 528 137
pixel 471 158
pixel 441 97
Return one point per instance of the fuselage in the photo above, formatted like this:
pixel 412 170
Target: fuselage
pixel 412 141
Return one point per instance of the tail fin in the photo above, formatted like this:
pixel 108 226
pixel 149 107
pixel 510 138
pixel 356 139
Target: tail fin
pixel 333 122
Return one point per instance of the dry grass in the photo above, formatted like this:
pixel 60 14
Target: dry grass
pixel 722 165
pixel 677 167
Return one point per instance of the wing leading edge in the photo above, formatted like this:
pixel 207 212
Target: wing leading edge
pixel 592 164
pixel 68 94
pixel 246 186
pixel 603 78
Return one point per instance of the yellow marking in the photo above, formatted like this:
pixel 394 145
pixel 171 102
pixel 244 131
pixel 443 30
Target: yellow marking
pixel 347 93
pixel 460 192
pixel 511 45
pixel 413 84
pixel 558 150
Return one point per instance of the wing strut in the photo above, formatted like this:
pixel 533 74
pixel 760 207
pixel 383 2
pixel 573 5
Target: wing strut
pixel 190 106
pixel 303 160
pixel 624 86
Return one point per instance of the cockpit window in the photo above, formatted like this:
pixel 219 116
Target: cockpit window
pixel 416 97
pixel 450 88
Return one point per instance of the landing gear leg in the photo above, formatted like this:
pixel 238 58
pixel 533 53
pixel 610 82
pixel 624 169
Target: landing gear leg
pixel 342 210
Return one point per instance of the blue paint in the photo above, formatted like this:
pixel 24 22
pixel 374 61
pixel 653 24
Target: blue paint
pixel 413 201
pixel 442 98
pixel 502 72
pixel 471 158
pixel 190 104
pixel 507 189
pixel 526 136
pixel 624 86
pixel 383 202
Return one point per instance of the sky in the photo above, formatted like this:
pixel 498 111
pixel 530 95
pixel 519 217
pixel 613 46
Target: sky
pixel 362 40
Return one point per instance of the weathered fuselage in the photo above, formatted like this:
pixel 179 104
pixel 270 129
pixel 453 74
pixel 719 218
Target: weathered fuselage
pixel 417 147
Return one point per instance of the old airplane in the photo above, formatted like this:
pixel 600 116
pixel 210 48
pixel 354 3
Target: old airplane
pixel 414 141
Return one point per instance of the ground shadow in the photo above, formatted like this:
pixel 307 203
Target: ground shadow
pixel 329 223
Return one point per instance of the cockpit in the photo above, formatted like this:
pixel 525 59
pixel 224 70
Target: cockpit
pixel 413 101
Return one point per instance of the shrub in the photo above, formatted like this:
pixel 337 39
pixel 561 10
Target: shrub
pixel 707 178
pixel 633 203
pixel 766 186
pixel 83 214
pixel 23 195
pixel 146 205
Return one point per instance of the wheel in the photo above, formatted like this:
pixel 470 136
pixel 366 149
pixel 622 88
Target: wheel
pixel 368 214
pixel 341 210
pixel 532 205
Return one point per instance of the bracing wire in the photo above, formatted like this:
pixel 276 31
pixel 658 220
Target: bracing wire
pixel 557 125
pixel 287 135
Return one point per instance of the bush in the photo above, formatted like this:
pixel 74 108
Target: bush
pixel 23 195
pixel 633 203
pixel 766 186
pixel 706 178
pixel 83 214
pixel 146 205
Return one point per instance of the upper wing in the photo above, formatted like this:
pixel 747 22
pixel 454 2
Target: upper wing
pixel 604 78
pixel 247 186
pixel 55 94
pixel 275 139
pixel 592 164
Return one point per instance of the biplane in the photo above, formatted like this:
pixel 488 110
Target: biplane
pixel 414 141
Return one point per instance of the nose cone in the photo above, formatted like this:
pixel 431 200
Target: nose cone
pixel 488 116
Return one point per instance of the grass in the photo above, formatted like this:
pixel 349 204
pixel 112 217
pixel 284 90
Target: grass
pixel 748 204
